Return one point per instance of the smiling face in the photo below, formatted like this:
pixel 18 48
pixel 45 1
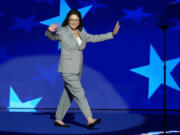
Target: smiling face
pixel 73 21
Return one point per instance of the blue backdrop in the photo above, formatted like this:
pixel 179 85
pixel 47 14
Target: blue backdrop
pixel 123 73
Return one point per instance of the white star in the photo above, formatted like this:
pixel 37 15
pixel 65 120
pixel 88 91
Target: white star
pixel 64 9
pixel 15 102
pixel 154 71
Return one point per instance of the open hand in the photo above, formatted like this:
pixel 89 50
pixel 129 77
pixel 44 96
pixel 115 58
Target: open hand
pixel 53 27
pixel 116 29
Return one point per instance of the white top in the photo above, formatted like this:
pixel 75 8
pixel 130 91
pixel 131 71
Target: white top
pixel 79 40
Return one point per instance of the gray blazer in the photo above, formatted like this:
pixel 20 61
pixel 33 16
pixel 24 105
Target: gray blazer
pixel 71 59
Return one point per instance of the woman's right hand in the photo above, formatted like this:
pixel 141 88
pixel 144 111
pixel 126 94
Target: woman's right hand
pixel 53 27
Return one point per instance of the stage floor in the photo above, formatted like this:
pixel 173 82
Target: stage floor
pixel 114 122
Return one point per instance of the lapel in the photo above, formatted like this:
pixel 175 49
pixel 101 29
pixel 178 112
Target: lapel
pixel 70 34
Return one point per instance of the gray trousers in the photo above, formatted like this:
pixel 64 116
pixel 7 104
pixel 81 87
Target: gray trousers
pixel 72 89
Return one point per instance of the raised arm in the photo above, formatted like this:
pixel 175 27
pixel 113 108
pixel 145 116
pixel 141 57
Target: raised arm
pixel 102 37
pixel 98 38
pixel 53 33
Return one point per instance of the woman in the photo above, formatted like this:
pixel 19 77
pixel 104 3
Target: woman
pixel 73 41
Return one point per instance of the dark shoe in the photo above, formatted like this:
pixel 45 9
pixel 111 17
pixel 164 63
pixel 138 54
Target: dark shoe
pixel 94 123
pixel 64 125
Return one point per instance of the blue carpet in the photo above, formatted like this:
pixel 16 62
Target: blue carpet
pixel 113 122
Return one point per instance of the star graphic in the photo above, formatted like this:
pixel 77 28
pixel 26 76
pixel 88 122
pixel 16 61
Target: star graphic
pixel 64 9
pixel 94 3
pixel 25 24
pixel 135 15
pixel 15 102
pixel 176 1
pixel 49 1
pixel 154 71
pixel 3 55
pixel 177 24
pixel 48 73
pixel 177 27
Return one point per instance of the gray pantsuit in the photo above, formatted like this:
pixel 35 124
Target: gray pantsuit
pixel 72 89
pixel 71 66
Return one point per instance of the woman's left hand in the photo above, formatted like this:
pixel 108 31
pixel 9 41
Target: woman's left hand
pixel 116 29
